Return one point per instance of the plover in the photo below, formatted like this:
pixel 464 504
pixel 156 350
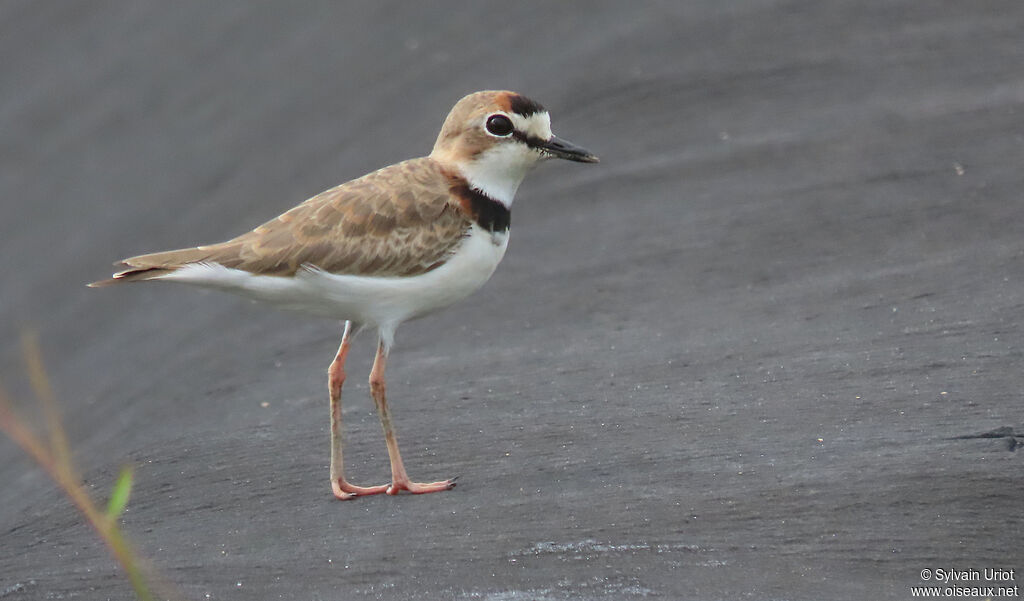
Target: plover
pixel 385 248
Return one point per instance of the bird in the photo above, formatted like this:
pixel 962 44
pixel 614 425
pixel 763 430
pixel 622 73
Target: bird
pixel 393 245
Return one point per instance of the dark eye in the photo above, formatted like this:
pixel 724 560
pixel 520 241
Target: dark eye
pixel 499 125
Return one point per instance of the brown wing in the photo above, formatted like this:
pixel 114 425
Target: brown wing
pixel 397 221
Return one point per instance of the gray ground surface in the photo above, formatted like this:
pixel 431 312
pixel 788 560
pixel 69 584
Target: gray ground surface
pixel 729 362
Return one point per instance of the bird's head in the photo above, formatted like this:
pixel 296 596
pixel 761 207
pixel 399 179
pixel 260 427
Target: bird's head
pixel 494 138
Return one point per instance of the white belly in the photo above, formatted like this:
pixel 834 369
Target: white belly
pixel 381 301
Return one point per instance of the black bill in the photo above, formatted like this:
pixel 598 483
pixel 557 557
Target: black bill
pixel 564 149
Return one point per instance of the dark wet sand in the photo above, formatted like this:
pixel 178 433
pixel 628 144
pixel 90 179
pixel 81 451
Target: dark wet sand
pixel 732 361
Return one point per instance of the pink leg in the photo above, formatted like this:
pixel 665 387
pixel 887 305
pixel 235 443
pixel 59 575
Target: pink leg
pixel 335 379
pixel 399 479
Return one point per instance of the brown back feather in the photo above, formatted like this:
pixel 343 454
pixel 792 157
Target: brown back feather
pixel 398 221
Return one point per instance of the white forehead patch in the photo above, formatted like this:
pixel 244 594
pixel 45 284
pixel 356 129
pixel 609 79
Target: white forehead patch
pixel 537 125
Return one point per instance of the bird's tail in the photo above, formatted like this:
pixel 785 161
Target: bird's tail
pixel 154 265
pixel 131 275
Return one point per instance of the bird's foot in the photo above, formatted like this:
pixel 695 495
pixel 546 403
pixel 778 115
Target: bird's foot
pixel 420 488
pixel 345 491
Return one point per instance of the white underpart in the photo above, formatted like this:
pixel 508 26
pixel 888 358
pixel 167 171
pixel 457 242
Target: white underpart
pixel 381 301
pixel 498 171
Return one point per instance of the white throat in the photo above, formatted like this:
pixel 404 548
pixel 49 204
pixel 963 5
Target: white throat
pixel 498 171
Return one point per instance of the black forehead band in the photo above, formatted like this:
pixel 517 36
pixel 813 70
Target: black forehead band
pixel 524 106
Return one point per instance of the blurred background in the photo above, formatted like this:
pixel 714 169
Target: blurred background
pixel 769 348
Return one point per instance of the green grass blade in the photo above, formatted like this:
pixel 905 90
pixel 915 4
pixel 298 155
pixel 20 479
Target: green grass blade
pixel 119 495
